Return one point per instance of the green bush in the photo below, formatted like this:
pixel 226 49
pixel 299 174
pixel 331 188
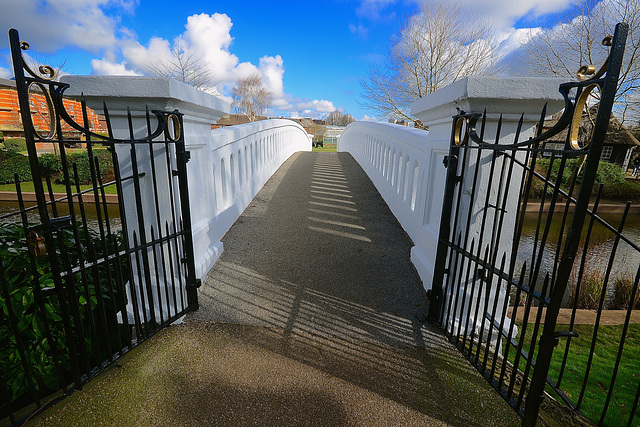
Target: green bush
pixel 12 163
pixel 15 144
pixel 612 175
pixel 50 162
pixel 81 159
pixel 30 314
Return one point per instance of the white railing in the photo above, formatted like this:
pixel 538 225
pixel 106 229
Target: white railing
pixel 231 171
pixel 406 165
pixel 227 166
pixel 400 162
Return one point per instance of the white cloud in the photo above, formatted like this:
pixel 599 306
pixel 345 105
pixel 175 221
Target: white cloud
pixel 106 67
pixel 359 30
pixel 6 73
pixel 321 106
pixel 53 24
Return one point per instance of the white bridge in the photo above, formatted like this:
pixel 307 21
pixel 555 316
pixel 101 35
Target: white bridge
pixel 230 165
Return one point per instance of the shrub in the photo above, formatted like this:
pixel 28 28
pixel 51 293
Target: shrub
pixel 15 144
pixel 30 313
pixel 81 159
pixel 13 163
pixel 50 162
pixel 612 175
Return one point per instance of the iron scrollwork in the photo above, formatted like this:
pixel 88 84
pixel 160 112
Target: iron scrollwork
pixel 44 81
pixel 588 81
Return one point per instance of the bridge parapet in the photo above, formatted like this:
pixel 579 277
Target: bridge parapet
pixel 227 166
pixel 406 164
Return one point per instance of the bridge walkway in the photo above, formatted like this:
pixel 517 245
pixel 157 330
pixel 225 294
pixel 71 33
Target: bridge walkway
pixel 316 273
pixel 318 251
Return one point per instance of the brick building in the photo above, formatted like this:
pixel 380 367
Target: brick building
pixel 11 122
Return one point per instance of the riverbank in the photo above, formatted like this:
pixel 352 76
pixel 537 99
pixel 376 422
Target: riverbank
pixel 610 207
pixel 582 316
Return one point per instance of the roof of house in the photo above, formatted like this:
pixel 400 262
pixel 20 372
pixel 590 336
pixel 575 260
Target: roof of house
pixel 237 119
pixel 616 135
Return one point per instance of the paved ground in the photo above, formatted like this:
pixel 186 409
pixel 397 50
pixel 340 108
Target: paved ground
pixel 312 316
pixel 318 251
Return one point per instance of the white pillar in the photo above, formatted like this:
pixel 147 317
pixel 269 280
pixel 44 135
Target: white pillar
pixel 200 110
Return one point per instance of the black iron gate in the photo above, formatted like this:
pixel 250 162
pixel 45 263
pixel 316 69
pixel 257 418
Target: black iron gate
pixel 83 282
pixel 498 294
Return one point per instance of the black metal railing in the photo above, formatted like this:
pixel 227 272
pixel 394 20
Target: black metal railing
pixel 81 283
pixel 498 289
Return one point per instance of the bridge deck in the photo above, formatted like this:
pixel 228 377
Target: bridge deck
pixel 317 323
pixel 318 268
pixel 318 251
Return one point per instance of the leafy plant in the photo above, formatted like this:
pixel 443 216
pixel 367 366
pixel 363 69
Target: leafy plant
pixel 83 164
pixel 15 144
pixel 41 343
pixel 50 162
pixel 12 163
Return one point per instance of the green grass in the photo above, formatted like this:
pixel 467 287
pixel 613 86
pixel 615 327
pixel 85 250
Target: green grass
pixel 327 148
pixel 600 376
pixel 27 187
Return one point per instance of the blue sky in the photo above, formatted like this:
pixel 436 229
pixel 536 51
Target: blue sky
pixel 311 55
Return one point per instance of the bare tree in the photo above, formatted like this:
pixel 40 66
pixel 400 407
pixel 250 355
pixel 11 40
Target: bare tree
pixel 439 45
pixel 336 118
pixel 250 97
pixel 184 65
pixel 577 41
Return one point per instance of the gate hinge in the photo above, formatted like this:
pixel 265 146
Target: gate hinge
pixel 195 284
pixel 185 156
pixel 449 159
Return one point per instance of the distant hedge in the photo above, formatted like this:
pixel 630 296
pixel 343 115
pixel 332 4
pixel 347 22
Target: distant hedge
pixel 15 144
pixel 12 163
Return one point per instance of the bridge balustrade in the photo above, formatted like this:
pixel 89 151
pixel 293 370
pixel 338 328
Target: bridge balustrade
pixel 227 166
pixel 406 164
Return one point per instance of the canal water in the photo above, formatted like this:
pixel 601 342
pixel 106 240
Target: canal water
pixel 598 256
pixel 112 211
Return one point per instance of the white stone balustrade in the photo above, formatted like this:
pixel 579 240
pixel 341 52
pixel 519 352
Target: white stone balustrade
pixel 406 164
pixel 228 166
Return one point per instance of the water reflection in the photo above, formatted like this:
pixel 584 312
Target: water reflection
pixel 598 254
pixel 8 213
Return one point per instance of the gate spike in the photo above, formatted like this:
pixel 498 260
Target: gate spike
pixel 543 114
pixel 499 129
pixel 107 119
pixel 130 120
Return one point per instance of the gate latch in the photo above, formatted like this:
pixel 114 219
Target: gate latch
pixel 36 245
pixel 558 334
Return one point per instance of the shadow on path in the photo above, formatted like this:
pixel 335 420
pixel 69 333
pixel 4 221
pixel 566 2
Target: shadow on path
pixel 320 263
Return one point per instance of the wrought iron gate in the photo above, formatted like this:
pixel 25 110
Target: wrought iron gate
pixel 485 278
pixel 82 288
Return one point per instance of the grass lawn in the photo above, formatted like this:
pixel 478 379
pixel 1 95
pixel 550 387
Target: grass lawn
pixel 600 376
pixel 27 187
pixel 328 148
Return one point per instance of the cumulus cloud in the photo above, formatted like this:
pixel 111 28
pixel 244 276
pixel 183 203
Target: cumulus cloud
pixel 104 66
pixel 94 26
pixel 321 106
pixel 6 73
pixel 53 24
